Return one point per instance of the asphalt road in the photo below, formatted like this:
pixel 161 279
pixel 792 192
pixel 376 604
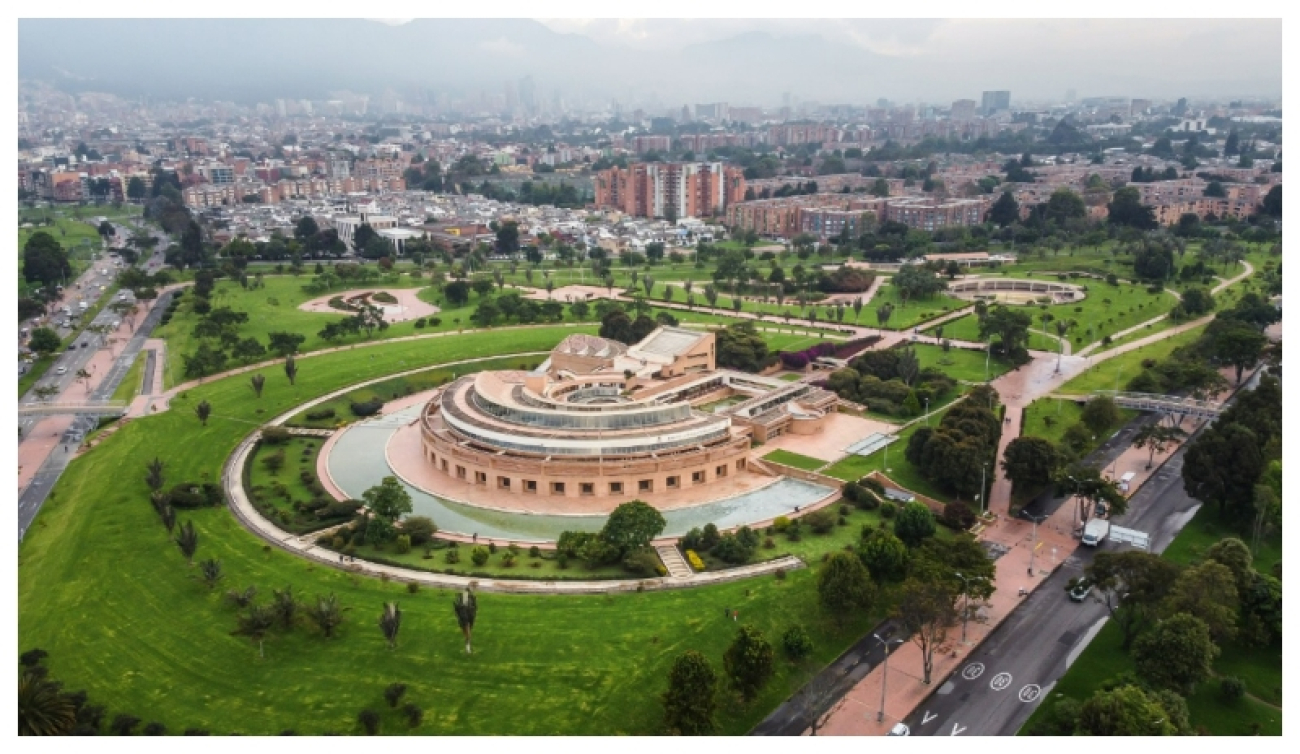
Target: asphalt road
pixel 1005 679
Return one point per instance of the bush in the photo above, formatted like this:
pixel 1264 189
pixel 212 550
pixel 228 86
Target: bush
pixel 642 562
pixel 958 516
pixel 888 510
pixel 693 538
pixel 821 521
pixel 769 544
pixel 420 529
pixel 479 555
pixel 367 408
pixel 412 587
pixel 796 642
pixel 779 574
pixel 780 524
pixel 731 549
pixel 275 436
pixel 452 557
pixel 1231 689
pixel 709 538
pixel 419 323
pixel 402 544
pixel 320 415
pixel 435 321
pixel 693 559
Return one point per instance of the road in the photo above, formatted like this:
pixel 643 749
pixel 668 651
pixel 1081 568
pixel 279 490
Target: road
pixel 1004 679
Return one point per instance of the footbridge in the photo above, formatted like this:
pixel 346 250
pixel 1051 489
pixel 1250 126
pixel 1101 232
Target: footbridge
pixel 1164 404
pixel 58 408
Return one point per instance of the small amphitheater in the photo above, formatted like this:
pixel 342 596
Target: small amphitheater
pixel 1015 291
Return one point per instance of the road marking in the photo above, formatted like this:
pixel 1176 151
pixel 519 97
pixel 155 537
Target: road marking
pixel 1030 692
pixel 956 729
pixel 927 717
pixel 1000 681
pixel 973 671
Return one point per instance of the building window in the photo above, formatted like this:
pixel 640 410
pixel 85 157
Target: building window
pixel 557 488
pixel 740 464
pixel 503 482
pixel 697 477
pixel 645 485
pixel 720 471
pixel 480 477
pixel 674 482
pixel 586 488
pixel 460 472
pixel 616 488
pixel 530 485
pixel 444 465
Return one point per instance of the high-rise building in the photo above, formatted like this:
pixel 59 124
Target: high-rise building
pixel 963 110
pixel 528 94
pixel 995 101
pixel 670 189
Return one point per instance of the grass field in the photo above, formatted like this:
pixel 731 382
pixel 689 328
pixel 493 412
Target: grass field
pixel 797 460
pixel 968 328
pixel 898 469
pixel 543 567
pixel 905 317
pixel 542 665
pixel 1120 369
pixel 275 492
pixel 131 383
pixel 958 363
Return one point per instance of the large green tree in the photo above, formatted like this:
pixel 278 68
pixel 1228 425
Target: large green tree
pixel 632 525
pixel 1177 653
pixel 1005 210
pixel 1126 208
pixel 1208 591
pixel 844 586
pixel 750 661
pixel 1124 711
pixel 1132 584
pixel 1030 462
pixel 1222 466
pixel 45 261
pixel 691 700
pixel 1011 326
pixel 387 502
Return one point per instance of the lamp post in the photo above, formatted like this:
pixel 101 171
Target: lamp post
pixel 983 490
pixel 988 349
pixel 1078 500
pixel 965 613
pixel 884 674
pixel 1034 548
pixel 927 412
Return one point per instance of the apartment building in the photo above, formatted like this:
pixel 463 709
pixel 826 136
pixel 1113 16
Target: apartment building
pixel 661 189
pixel 643 144
pixel 928 213
pixel 963 110
pixel 822 215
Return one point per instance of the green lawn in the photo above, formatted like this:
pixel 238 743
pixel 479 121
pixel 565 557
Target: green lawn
pixel 1106 374
pixel 1048 418
pixel 134 379
pixel 909 315
pixel 543 567
pixel 123 619
pixel 959 363
pixel 277 493
pixel 899 469
pixel 798 461
pixel 967 328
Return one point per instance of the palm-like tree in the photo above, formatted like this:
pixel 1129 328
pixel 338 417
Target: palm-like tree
pixel 1063 326
pixel 43 709
pixel 242 598
pixel 290 368
pixel 168 516
pixel 284 606
pixel 210 572
pixel 203 410
pixel 255 624
pixel 390 622
pixel 257 381
pixel 187 539
pixel 326 614
pixel 154 474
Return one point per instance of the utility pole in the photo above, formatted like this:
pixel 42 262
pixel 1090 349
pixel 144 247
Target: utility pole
pixel 884 674
pixel 1034 548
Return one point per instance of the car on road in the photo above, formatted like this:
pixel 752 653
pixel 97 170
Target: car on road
pixel 1081 590
pixel 900 729
pixel 61 370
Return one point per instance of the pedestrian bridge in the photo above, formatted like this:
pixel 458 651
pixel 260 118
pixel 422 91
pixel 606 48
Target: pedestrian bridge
pixel 1164 404
pixel 57 408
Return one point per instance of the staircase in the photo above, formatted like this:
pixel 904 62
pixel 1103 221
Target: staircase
pixel 677 566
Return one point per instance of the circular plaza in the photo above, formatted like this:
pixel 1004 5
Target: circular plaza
pixel 1015 291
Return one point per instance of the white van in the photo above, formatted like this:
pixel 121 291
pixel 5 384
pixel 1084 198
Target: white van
pixel 1126 481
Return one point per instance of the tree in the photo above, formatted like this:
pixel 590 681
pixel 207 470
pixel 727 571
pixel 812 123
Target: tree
pixel 390 622
pixel 507 238
pixel 255 623
pixel 632 525
pixel 1099 414
pixel 257 381
pixel 210 572
pixel 1133 585
pixel 386 501
pixel 1156 438
pixel 749 661
pixel 456 292
pixel 1236 343
pixel 1064 205
pixel 290 368
pixel 1030 463
pixel 914 524
pixel 363 235
pixel 1272 205
pixel 369 720
pixel 844 586
pixel 1126 208
pixel 1011 327
pixel 326 614
pixel 1004 211
pixel 135 188
pixel 248 350
pixel 43 708
pixel 285 343
pixel 1233 554
pixel 44 341
pixel 45 261
pixel 884 555
pixel 203 410
pixel 1208 591
pixel 154 474
pixel 1177 653
pixel 691 699
pixel 465 606
pixel 927 609
pixel 1124 711
pixel 1222 465
pixel 796 642
pixel 187 539
pixel 305 228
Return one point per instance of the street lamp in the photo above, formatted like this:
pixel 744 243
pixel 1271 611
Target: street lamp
pixel 927 412
pixel 965 613
pixel 983 490
pixel 1034 548
pixel 988 349
pixel 884 674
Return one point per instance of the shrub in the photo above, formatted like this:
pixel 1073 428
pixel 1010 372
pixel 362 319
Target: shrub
pixel 412 587
pixel 319 415
pixel 821 521
pixel 796 642
pixel 492 548
pixel 888 510
pixel 958 516
pixel 419 323
pixel 435 321
pixel 275 436
pixel 452 557
pixel 508 560
pixel 420 529
pixel 367 408
pixel 779 574
pixel 769 544
pixel 780 524
pixel 693 559
pixel 845 510
pixel 534 552
pixel 710 536
pixel 642 562
pixel 479 555
pixel 731 549
pixel 402 545
pixel 1231 689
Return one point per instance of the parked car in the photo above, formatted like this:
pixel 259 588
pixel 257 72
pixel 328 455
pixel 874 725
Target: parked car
pixel 1081 590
